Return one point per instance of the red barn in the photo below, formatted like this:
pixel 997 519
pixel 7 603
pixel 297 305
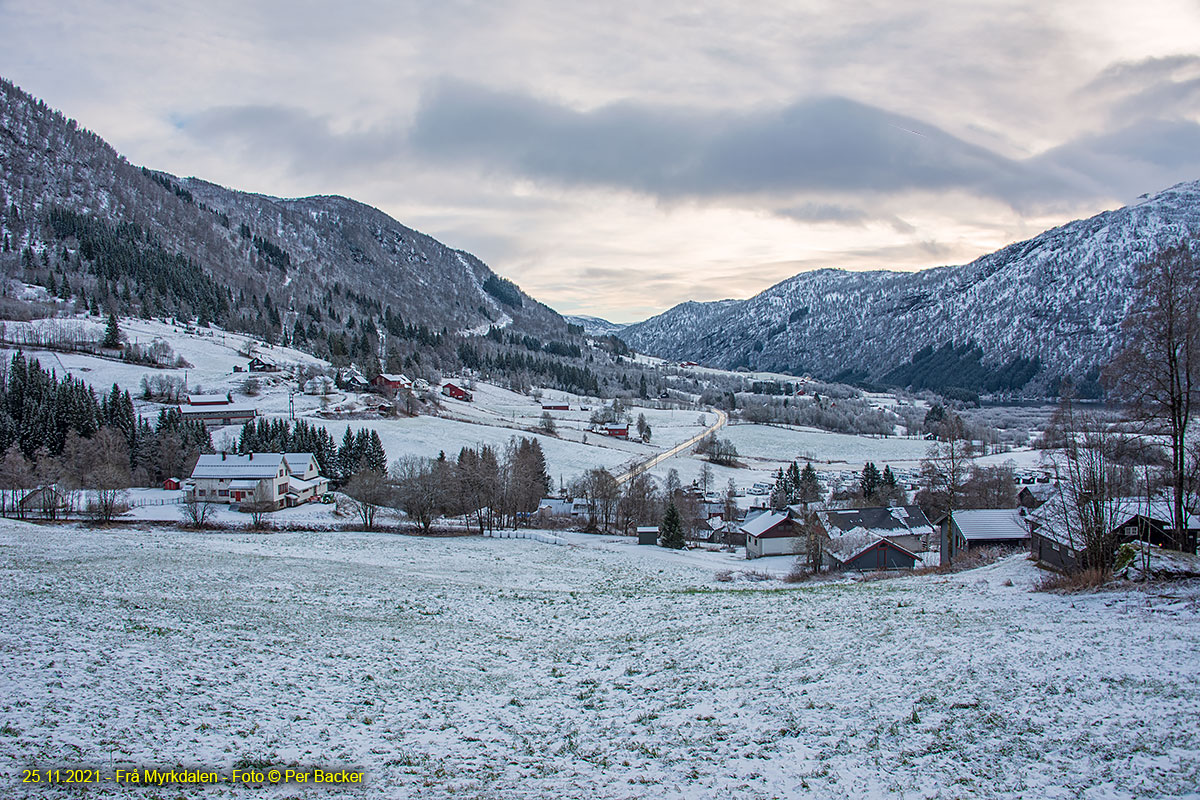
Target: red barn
pixel 555 407
pixel 457 392
pixel 616 430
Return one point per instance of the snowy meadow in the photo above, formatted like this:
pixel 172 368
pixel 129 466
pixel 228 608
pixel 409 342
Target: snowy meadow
pixel 483 668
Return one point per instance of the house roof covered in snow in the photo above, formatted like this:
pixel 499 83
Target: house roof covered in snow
pixel 229 409
pixel 763 523
pixel 991 523
pixel 845 548
pixel 208 399
pixel 224 465
pixel 300 463
pixel 893 520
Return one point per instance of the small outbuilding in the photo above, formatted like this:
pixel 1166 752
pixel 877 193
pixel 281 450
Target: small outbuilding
pixel 647 534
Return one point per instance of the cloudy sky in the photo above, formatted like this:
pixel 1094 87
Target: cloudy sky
pixel 617 158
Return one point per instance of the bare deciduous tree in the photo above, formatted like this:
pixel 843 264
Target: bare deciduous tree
pixel 1091 500
pixel 1158 372
pixel 195 512
pixel 370 490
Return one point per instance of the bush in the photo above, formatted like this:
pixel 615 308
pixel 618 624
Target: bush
pixel 798 573
pixel 1071 582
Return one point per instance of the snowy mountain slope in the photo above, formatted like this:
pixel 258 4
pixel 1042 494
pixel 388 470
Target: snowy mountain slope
pixel 596 326
pixel 1060 297
pixel 296 250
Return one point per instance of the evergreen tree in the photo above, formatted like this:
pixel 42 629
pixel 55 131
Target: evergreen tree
pixel 888 483
pixel 870 480
pixel 112 334
pixel 374 457
pixel 670 532
pixel 810 485
pixel 793 483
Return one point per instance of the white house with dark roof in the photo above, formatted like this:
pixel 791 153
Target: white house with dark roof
pixel 276 479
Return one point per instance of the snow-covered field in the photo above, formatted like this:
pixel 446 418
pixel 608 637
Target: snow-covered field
pixel 488 668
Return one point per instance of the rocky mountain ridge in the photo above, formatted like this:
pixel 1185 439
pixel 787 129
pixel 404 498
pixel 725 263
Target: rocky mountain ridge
pixel 1016 320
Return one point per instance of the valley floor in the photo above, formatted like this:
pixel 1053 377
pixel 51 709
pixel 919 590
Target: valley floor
pixel 484 668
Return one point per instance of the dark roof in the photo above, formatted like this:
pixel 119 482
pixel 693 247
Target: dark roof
pixel 896 519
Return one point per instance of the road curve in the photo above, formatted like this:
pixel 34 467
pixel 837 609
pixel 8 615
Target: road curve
pixel 722 418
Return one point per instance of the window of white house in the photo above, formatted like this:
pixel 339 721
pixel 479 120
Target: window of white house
pixel 223 493
pixel 201 493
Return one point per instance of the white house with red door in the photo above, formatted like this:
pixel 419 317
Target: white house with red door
pixel 276 479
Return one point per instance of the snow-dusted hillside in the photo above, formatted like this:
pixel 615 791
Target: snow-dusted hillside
pixel 1060 297
pixel 307 253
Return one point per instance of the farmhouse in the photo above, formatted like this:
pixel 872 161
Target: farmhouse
pixel 275 479
pixel 772 534
pixel 457 392
pixel 215 416
pixel 352 380
pixel 319 385
pixel 617 430
pixel 391 383
pixel 258 364
pixel 985 527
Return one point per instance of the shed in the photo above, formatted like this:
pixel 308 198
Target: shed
pixel 647 534
pixel 1034 495
pixel 171 484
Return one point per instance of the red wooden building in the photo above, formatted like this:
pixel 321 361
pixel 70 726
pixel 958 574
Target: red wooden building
pixel 457 392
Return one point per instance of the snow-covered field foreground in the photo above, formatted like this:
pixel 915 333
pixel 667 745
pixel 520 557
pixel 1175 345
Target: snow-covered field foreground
pixel 486 668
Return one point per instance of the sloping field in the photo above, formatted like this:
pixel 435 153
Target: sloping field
pixel 480 668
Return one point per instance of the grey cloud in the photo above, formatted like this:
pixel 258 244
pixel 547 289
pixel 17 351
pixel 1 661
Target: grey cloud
pixel 822 144
pixel 1160 88
pixel 305 142
pixel 841 215
pixel 824 212
pixel 1143 157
